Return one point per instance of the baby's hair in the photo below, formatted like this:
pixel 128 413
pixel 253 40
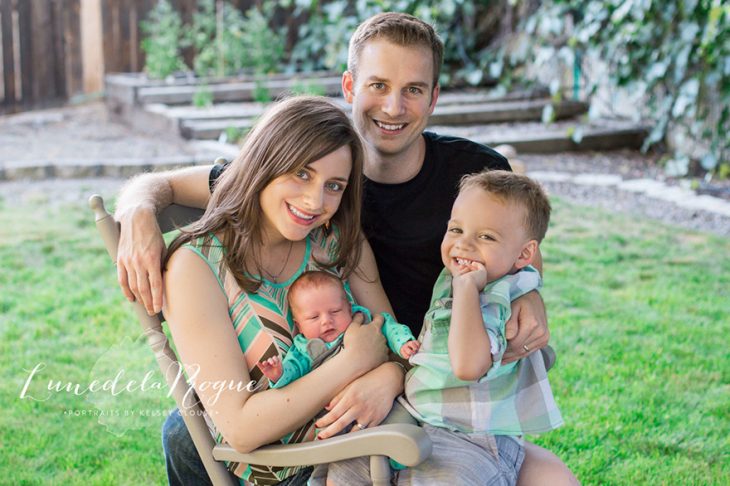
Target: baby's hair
pixel 315 279
pixel 510 187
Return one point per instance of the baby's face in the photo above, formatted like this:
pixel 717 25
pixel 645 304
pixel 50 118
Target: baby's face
pixel 321 312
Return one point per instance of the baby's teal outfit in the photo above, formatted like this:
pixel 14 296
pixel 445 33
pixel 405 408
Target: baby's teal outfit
pixel 306 354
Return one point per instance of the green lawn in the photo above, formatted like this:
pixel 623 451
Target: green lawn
pixel 638 314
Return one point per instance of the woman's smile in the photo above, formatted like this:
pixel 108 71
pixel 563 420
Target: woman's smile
pixel 300 216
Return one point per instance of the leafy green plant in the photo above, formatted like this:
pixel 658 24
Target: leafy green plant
pixel 676 53
pixel 308 87
pixel 227 41
pixel 469 29
pixel 262 48
pixel 203 96
pixel 233 134
pixel 261 93
pixel 201 36
pixel 162 30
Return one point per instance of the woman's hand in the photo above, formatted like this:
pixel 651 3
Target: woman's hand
pixel 366 401
pixel 365 345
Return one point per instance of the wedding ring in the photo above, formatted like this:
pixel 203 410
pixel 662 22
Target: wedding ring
pixel 524 346
pixel 361 426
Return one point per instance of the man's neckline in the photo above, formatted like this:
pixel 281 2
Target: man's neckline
pixel 411 176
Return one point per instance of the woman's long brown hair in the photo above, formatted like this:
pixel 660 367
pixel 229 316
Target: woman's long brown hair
pixel 292 134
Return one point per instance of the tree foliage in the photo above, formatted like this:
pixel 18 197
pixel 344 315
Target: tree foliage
pixel 676 53
pixel 227 41
pixel 161 45
pixel 471 30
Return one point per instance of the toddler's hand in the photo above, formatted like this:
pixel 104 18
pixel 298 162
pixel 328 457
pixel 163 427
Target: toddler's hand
pixel 409 349
pixel 271 368
pixel 474 274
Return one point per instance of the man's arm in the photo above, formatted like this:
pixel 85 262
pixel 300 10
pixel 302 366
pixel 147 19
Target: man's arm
pixel 141 247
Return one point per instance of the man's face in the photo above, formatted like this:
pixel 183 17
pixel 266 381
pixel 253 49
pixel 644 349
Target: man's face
pixel 392 96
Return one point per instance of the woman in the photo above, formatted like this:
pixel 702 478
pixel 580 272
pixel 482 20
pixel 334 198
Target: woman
pixel 289 203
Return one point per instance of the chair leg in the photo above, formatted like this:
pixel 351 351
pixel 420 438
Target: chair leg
pixel 380 470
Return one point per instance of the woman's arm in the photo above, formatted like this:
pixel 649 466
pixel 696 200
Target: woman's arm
pixel 208 347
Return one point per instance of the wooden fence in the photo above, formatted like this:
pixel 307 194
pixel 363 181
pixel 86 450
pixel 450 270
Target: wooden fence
pixel 53 50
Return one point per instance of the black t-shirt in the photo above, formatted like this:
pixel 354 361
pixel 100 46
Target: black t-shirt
pixel 405 223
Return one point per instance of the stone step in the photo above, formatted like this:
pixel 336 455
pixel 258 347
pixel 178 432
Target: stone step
pixel 208 124
pixel 140 80
pixel 222 111
pixel 235 91
pixel 496 112
pixel 564 136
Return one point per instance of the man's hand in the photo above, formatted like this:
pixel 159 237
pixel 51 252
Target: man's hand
pixel 139 258
pixel 526 330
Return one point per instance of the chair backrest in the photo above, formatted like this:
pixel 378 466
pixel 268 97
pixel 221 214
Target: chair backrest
pixel 192 413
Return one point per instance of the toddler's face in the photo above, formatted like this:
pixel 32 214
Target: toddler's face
pixel 483 229
pixel 321 312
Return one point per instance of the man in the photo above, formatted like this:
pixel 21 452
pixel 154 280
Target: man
pixel 411 182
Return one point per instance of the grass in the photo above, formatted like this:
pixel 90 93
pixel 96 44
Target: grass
pixel 638 315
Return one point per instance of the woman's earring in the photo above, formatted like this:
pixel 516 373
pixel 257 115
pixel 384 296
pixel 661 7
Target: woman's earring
pixel 327 227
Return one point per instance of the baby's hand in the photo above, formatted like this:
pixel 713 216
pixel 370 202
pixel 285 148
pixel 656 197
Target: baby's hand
pixel 271 368
pixel 409 349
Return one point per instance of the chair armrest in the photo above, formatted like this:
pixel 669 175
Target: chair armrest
pixel 407 444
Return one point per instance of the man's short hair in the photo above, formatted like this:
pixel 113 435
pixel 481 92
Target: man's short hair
pixel 519 189
pixel 400 29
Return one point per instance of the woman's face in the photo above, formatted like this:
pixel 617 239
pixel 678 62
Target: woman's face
pixel 294 204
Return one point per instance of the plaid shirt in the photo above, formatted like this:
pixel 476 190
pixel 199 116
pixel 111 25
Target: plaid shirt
pixel 512 399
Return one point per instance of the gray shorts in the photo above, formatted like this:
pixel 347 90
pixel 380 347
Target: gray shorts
pixel 457 458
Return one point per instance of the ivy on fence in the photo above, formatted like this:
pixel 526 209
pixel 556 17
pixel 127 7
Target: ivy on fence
pixel 677 54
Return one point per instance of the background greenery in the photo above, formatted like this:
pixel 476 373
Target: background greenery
pixel 674 53
pixel 638 315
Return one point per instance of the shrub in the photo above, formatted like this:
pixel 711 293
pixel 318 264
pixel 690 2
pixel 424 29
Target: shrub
pixel 227 41
pixel 163 31
pixel 676 53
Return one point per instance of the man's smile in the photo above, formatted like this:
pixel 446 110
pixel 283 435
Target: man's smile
pixel 390 127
